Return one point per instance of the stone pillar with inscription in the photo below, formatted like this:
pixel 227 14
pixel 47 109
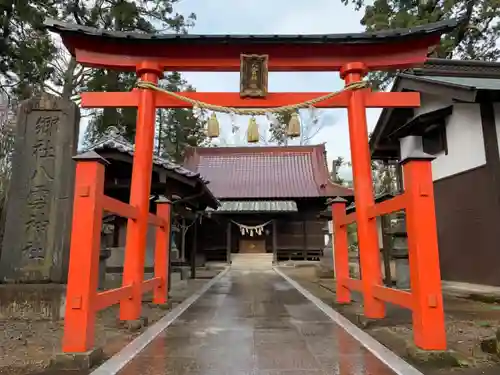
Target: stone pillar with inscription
pixel 325 270
pixel 35 247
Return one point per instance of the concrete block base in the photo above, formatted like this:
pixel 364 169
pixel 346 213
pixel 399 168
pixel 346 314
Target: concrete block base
pixel 133 325
pixel 77 361
pixel 409 350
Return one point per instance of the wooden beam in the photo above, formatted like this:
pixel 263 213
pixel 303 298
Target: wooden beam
pixel 398 203
pixel 394 296
pixel 194 249
pixel 322 57
pixel 233 99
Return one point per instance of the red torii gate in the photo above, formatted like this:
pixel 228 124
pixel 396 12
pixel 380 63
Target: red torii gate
pixel 353 55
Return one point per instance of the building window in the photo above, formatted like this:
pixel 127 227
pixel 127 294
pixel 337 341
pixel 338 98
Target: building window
pixel 434 141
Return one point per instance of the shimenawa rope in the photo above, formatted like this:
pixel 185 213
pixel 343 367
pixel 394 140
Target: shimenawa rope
pixel 253 111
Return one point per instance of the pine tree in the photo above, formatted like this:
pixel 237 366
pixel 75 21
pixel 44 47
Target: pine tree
pixel 148 16
pixel 474 39
pixel 32 61
pixel 179 127
pixel 25 47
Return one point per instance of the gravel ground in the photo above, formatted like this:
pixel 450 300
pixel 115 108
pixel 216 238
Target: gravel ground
pixel 467 323
pixel 26 347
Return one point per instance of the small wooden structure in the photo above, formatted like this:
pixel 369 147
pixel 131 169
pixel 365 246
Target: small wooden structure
pixel 168 180
pixel 270 199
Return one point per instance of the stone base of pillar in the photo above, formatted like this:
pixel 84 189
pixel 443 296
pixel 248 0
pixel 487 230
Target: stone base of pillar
pixel 77 361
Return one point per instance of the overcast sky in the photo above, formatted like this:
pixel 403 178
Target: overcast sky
pixel 279 17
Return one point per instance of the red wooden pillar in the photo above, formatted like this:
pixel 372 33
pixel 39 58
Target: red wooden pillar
pixel 162 251
pixel 340 250
pixel 83 276
pixel 371 274
pixel 135 248
pixel 428 314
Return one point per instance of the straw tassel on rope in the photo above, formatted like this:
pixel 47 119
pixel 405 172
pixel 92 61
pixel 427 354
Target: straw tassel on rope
pixel 293 129
pixel 213 129
pixel 253 131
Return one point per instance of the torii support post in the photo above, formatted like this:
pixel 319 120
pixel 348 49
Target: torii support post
pixel 340 250
pixel 83 300
pixel 162 251
pixel 425 299
pixel 79 324
pixel 428 314
pixel 142 168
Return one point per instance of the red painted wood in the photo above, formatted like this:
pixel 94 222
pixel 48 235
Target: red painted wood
pixel 226 58
pixel 230 99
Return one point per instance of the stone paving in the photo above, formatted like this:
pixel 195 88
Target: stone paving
pixel 254 323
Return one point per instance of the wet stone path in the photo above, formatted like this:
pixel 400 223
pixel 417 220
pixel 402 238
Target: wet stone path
pixel 254 323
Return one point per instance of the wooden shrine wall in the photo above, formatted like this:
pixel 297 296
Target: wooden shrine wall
pixel 297 235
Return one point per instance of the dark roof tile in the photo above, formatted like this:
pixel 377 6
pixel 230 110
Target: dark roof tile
pixel 265 172
pixel 352 38
pixel 114 141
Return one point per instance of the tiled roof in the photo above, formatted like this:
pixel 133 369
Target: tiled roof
pixel 265 172
pixel 457 68
pixel 470 74
pixel 258 206
pixel 353 38
pixel 112 140
pixel 476 83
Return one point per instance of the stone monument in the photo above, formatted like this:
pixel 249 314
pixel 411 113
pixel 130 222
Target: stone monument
pixel 35 246
pixel 326 266
pixel 400 254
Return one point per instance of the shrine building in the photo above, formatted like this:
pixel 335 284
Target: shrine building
pixel 270 200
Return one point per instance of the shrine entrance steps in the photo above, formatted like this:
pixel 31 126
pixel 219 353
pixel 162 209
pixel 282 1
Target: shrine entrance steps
pixel 252 261
pixel 255 323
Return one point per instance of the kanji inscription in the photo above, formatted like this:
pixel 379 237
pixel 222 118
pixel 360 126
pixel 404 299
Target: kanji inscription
pixel 39 208
pixel 254 76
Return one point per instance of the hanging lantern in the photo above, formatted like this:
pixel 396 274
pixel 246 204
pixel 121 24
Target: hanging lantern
pixel 293 129
pixel 253 131
pixel 213 130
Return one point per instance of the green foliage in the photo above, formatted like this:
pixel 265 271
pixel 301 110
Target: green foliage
pixel 31 61
pixel 148 16
pixel 278 129
pixel 474 39
pixel 384 178
pixel 6 148
pixel 25 47
pixel 178 128
pixel 310 125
